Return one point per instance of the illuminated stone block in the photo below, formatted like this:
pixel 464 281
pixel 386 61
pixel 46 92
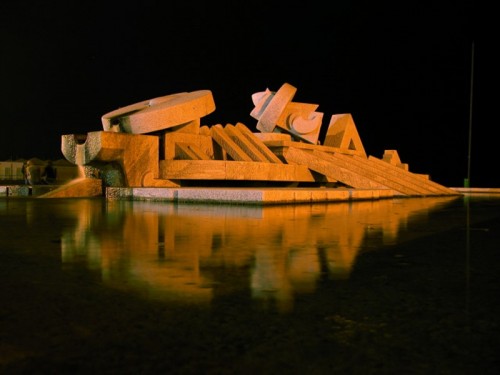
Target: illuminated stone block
pixel 160 113
pixel 136 155
pixel 269 106
pixel 342 133
pixel 232 148
pixel 301 125
pixel 325 164
pixel 200 142
pixel 392 157
pixel 276 112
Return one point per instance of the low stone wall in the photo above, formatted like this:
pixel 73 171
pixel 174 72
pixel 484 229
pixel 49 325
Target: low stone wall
pixel 25 190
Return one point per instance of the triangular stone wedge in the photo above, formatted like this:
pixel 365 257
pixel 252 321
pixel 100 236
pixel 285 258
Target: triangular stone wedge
pixel 342 133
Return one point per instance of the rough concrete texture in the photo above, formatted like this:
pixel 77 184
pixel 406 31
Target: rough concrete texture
pixel 342 133
pixel 178 152
pixel 136 154
pixel 248 196
pixel 81 187
pixel 160 113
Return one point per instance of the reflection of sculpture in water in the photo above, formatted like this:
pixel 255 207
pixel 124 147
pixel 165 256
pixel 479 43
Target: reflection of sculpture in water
pixel 270 281
pixel 182 252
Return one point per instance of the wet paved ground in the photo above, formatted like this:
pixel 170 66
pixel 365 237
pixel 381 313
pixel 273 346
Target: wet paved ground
pixel 399 287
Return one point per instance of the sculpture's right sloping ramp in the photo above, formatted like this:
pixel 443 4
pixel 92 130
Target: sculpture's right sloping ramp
pixel 335 171
pixel 423 181
pixel 360 172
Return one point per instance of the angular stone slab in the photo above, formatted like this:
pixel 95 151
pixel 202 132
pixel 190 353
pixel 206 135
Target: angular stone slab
pixel 137 154
pixel 302 109
pixel 331 169
pixel 430 187
pixel 280 146
pixel 202 143
pixel 274 109
pixel 232 148
pixel 273 137
pixel 392 157
pixel 191 127
pixel 342 134
pixel 251 145
pixel 245 145
pixel 301 121
pixel 233 170
pixel 188 151
pixel 394 177
pixel 257 143
pixel 362 166
pixel 160 113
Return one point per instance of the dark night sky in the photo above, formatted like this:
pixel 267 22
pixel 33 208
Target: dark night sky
pixel 403 71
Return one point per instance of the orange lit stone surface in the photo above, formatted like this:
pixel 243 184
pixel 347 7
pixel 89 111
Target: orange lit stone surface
pixel 160 143
pixel 80 187
pixel 136 155
pixel 342 133
pixel 271 106
pixel 276 112
pixel 160 113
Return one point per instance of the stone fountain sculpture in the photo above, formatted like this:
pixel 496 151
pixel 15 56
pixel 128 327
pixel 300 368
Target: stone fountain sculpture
pixel 161 143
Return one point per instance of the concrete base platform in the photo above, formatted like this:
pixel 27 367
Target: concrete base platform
pixel 252 196
pixel 26 190
pixel 234 195
pixel 472 190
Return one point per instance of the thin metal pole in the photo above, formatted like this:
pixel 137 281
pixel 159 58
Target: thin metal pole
pixel 470 113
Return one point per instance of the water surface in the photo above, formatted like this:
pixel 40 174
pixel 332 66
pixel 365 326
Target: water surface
pixel 407 285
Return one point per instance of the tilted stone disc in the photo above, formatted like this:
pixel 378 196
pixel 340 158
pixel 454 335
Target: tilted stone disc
pixel 160 113
pixel 275 108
